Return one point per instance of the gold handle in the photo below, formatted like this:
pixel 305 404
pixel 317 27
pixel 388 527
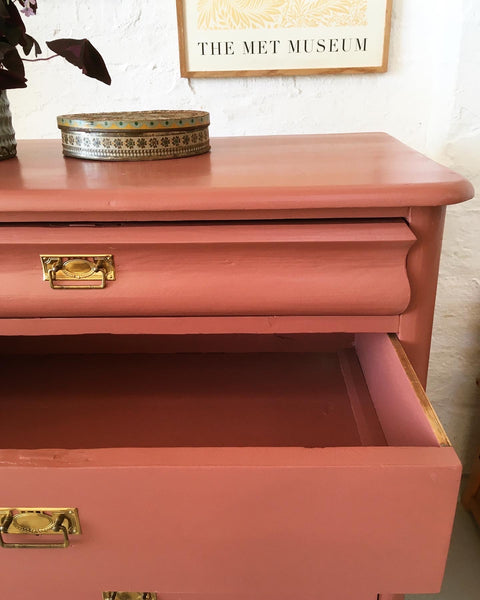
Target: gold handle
pixel 78 269
pixel 52 278
pixel 38 522
pixel 129 596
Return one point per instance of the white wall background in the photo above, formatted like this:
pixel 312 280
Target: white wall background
pixel 429 99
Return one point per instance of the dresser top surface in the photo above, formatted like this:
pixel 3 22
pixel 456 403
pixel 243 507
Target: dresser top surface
pixel 243 174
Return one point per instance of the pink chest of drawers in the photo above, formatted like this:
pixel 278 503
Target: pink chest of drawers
pixel 232 414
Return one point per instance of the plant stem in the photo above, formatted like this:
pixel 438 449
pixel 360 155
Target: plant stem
pixel 39 59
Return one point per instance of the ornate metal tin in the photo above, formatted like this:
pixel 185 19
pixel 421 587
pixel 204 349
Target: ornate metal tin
pixel 135 135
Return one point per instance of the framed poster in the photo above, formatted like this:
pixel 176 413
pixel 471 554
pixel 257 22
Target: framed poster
pixel 233 38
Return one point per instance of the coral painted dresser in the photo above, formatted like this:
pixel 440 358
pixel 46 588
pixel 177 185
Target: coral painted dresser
pixel 212 373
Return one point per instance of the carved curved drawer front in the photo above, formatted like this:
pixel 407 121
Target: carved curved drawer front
pixel 315 268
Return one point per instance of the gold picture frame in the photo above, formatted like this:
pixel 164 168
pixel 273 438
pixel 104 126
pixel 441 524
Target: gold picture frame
pixel 225 38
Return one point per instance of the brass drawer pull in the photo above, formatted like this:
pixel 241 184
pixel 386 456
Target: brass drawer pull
pixel 40 522
pixel 78 269
pixel 129 596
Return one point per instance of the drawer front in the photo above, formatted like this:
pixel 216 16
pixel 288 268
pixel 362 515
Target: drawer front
pixel 346 520
pixel 346 496
pixel 245 269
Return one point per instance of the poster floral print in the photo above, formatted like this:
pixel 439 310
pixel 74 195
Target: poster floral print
pixel 265 14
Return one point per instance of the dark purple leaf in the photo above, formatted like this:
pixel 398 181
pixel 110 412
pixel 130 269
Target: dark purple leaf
pixel 11 26
pixel 11 61
pixel 13 29
pixel 30 42
pixel 9 80
pixel 3 10
pixel 83 55
pixel 5 49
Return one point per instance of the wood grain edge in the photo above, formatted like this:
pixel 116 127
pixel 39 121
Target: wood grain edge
pixel 427 407
pixel 181 38
pixel 386 39
pixel 285 72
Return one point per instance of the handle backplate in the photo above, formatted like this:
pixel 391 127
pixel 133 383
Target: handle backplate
pixel 39 522
pixel 78 271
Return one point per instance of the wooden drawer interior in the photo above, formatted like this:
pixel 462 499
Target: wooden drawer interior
pixel 338 396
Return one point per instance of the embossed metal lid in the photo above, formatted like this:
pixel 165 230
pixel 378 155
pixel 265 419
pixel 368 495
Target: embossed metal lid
pixel 135 121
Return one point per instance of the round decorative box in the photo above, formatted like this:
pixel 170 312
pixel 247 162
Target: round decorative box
pixel 149 135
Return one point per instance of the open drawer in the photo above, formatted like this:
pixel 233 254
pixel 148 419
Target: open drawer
pixel 280 268
pixel 306 475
